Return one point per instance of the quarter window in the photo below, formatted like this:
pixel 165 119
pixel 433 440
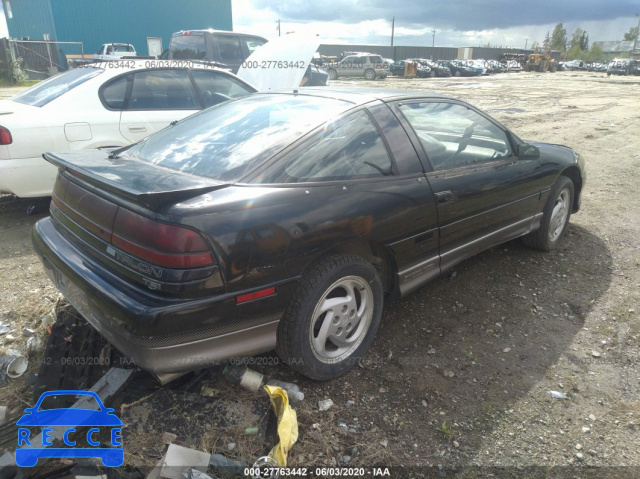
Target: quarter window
pixel 454 136
pixel 350 148
pixel 114 93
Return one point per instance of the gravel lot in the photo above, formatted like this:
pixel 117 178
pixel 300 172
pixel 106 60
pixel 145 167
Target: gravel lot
pixel 459 374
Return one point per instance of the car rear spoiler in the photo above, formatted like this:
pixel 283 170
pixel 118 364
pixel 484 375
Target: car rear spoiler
pixel 137 181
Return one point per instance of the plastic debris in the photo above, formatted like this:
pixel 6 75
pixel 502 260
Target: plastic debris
pixel 226 465
pixel 293 391
pixel 34 344
pixel 558 395
pixel 244 377
pixel 12 365
pixel 251 431
pixel 325 404
pixel 168 437
pixel 191 473
pixel 287 424
pixel 178 459
pixel 4 329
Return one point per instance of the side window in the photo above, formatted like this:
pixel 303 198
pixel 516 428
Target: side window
pixel 216 87
pixel 113 94
pixel 350 148
pixel 230 48
pixel 163 90
pixel 454 136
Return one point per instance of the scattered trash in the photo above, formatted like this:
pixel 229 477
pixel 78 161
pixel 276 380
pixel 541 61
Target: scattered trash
pixel 226 465
pixel 4 329
pixel 325 404
pixel 449 374
pixel 244 377
pixel 431 350
pixel 168 437
pixel 558 395
pixel 252 381
pixel 265 466
pixel 34 344
pixel 293 391
pixel 179 458
pixel 342 423
pixel 231 446
pixel 384 443
pixel 251 431
pixel 191 473
pixel 287 424
pixel 28 332
pixel 315 425
pixel 49 318
pixel 209 391
pixel 12 365
pixel 32 210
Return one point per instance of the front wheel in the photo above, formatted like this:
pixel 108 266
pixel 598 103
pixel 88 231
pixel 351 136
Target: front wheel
pixel 332 318
pixel 555 217
pixel 370 75
pixel 457 73
pixel 333 75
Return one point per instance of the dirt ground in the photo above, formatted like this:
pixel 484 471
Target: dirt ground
pixel 457 381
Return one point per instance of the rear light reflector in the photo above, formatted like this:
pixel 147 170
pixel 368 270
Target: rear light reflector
pixel 5 136
pixel 263 293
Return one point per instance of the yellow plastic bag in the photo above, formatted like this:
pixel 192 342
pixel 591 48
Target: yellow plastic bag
pixel 287 424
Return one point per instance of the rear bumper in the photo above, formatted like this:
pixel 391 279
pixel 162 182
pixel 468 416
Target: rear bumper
pixel 205 331
pixel 27 177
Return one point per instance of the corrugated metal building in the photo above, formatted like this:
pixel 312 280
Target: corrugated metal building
pixel 123 21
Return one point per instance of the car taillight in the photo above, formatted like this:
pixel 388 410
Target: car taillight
pixel 165 245
pixel 5 136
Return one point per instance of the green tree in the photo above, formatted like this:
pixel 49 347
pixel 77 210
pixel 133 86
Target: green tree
pixel 596 54
pixel 559 38
pixel 547 40
pixel 580 39
pixel 575 53
pixel 631 34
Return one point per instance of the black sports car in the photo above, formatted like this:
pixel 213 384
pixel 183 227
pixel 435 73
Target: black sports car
pixel 284 219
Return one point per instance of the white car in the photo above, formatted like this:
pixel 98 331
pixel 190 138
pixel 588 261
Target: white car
pixel 109 104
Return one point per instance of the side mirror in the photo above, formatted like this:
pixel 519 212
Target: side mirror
pixel 528 152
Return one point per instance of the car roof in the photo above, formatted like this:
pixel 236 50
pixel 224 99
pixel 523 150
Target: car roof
pixel 361 95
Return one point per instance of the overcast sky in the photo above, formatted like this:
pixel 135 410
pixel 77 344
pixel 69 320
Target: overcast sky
pixel 457 22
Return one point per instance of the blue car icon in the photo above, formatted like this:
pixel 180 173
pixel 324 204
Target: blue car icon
pixel 67 421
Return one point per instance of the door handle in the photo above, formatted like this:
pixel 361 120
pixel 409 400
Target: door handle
pixel 445 197
pixel 137 128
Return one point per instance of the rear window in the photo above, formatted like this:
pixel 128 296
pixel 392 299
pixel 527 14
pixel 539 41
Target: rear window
pixel 227 141
pixel 188 46
pixel 52 88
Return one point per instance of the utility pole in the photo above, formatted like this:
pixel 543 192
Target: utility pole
pixel 278 22
pixel 433 42
pixel 393 26
pixel 635 40
pixel 526 40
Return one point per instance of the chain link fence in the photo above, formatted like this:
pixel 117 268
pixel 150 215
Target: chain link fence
pixel 22 60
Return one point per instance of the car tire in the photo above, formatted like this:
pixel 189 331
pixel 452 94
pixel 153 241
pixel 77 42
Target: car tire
pixel 457 73
pixel 369 74
pixel 555 217
pixel 333 75
pixel 332 317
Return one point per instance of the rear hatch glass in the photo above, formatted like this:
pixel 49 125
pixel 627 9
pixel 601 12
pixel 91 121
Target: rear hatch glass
pixel 188 46
pixel 227 141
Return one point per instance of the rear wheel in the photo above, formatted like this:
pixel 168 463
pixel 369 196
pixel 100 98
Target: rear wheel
pixel 333 75
pixel 555 217
pixel 332 317
pixel 432 74
pixel 457 73
pixel 369 75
